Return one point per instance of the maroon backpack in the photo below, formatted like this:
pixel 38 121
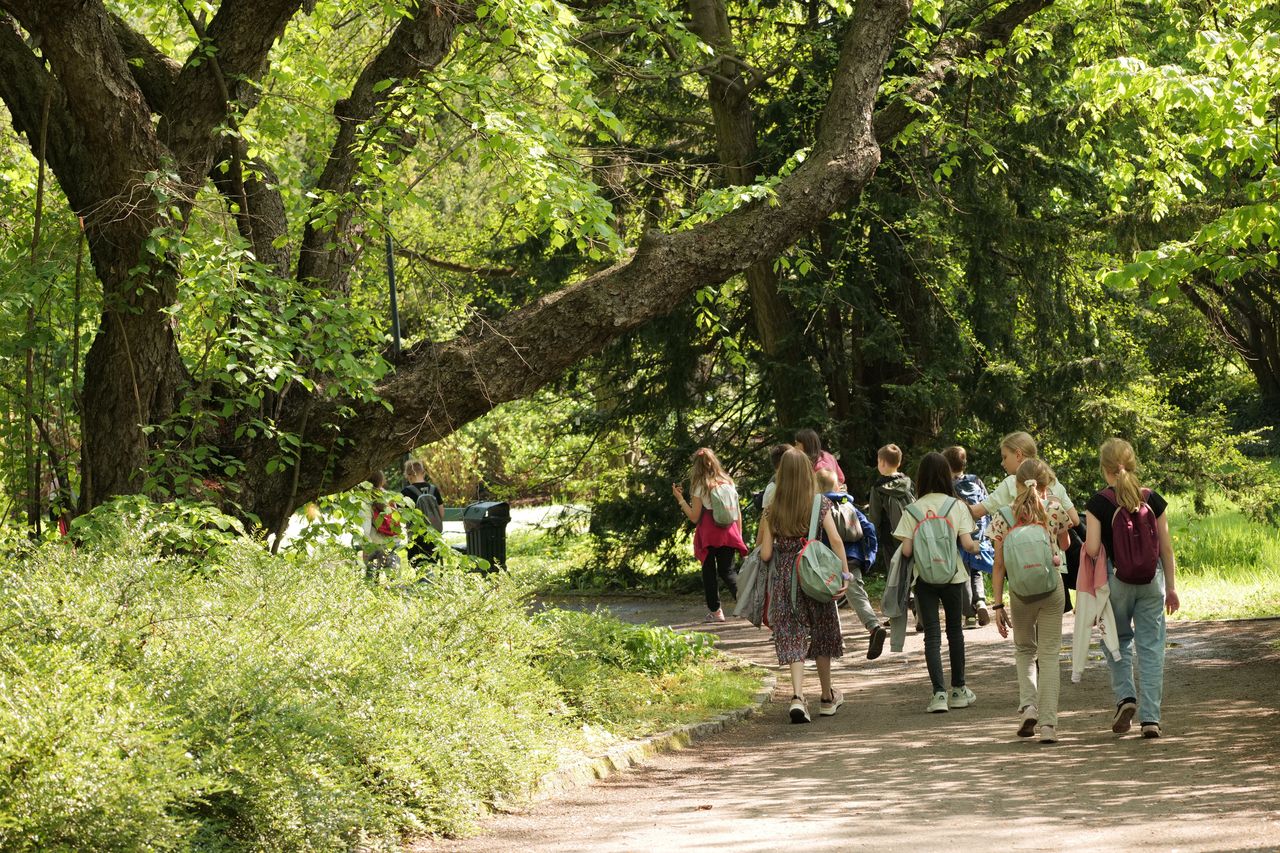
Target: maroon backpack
pixel 1135 546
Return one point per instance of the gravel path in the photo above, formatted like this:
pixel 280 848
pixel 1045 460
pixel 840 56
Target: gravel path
pixel 883 775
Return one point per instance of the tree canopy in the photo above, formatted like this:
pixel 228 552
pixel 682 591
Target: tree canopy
pixel 701 222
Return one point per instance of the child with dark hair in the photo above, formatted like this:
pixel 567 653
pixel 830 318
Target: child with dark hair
pixel 971 489
pixel 380 524
pixel 933 529
pixel 810 443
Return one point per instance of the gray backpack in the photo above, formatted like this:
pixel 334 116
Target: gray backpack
pixel 933 549
pixel 429 507
pixel 1028 558
pixel 724 504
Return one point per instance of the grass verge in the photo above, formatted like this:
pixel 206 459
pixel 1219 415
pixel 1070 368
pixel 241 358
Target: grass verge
pixel 1228 563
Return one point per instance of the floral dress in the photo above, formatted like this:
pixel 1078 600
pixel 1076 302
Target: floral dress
pixel 810 629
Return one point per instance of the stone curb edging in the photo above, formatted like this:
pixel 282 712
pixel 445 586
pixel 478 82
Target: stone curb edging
pixel 635 752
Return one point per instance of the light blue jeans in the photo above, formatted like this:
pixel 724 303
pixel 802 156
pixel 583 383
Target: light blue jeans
pixel 1139 611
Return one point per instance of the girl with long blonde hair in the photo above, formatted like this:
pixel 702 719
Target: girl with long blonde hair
pixel 1036 620
pixel 715 546
pixel 1139 608
pixel 808 629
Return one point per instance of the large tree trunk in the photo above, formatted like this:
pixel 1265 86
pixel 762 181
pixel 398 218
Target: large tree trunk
pixel 788 368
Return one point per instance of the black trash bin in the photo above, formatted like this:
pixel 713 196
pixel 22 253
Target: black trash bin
pixel 485 523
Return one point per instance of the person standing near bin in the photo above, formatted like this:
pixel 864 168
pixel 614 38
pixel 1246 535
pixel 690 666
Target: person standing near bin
pixel 426 496
pixel 713 507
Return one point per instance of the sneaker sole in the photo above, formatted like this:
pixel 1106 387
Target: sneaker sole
pixel 1151 733
pixel 1028 727
pixel 799 716
pixel 1044 739
pixel 829 712
pixel 1124 721
pixel 875 647
pixel 956 706
pixel 984 618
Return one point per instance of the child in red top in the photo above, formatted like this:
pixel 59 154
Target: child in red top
pixel 714 546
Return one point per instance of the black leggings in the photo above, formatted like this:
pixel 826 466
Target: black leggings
pixel 928 597
pixel 720 561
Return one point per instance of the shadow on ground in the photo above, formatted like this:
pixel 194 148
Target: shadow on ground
pixel 883 775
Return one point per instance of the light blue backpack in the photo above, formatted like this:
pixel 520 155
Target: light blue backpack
pixel 933 544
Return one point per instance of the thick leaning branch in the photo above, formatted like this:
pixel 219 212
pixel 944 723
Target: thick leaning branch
pixel 437 388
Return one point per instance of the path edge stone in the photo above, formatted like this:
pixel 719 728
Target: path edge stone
pixel 636 752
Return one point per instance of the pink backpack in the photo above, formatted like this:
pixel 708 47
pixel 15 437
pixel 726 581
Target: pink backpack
pixel 1135 546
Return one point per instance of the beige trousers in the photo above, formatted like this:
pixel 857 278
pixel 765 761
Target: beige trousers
pixel 1037 635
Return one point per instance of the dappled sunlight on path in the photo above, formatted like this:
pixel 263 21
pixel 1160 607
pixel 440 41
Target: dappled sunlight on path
pixel 883 775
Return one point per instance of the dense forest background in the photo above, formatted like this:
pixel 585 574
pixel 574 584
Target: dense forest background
pixel 1072 230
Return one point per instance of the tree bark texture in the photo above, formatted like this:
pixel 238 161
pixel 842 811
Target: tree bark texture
pixel 132 135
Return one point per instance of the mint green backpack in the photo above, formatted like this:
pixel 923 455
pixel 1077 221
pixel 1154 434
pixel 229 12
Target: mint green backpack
pixel 933 544
pixel 819 571
pixel 1028 558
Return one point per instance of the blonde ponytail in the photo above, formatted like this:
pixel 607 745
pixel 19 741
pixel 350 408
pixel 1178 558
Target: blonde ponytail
pixel 1119 462
pixel 1033 477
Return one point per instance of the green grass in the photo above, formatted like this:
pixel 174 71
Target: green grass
pixel 1228 564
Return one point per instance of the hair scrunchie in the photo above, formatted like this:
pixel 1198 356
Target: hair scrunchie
pixel 1030 484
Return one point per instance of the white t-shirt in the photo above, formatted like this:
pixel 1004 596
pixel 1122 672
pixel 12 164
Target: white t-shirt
pixel 960 518
pixel 1008 490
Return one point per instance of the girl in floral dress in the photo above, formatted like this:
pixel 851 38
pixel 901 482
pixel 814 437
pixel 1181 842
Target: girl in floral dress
pixel 810 629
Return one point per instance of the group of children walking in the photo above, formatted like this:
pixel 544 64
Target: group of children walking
pixel 947 532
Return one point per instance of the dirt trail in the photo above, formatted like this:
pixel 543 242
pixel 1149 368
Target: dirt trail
pixel 883 775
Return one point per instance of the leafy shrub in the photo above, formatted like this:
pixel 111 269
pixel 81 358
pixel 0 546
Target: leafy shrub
pixel 242 701
pixel 84 756
pixel 174 527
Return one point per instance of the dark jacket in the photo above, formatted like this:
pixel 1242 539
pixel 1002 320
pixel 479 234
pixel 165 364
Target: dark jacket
pixel 889 498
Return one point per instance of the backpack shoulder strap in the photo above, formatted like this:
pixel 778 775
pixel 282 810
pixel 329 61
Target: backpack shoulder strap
pixel 813 515
pixel 914 511
pixel 946 509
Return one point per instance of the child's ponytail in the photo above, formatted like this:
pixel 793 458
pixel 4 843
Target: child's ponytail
pixel 1118 461
pixel 1033 477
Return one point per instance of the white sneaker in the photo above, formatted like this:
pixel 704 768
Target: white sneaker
pixel 715 616
pixel 1048 734
pixel 828 708
pixel 961 697
pixel 799 713
pixel 938 704
pixel 1030 716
